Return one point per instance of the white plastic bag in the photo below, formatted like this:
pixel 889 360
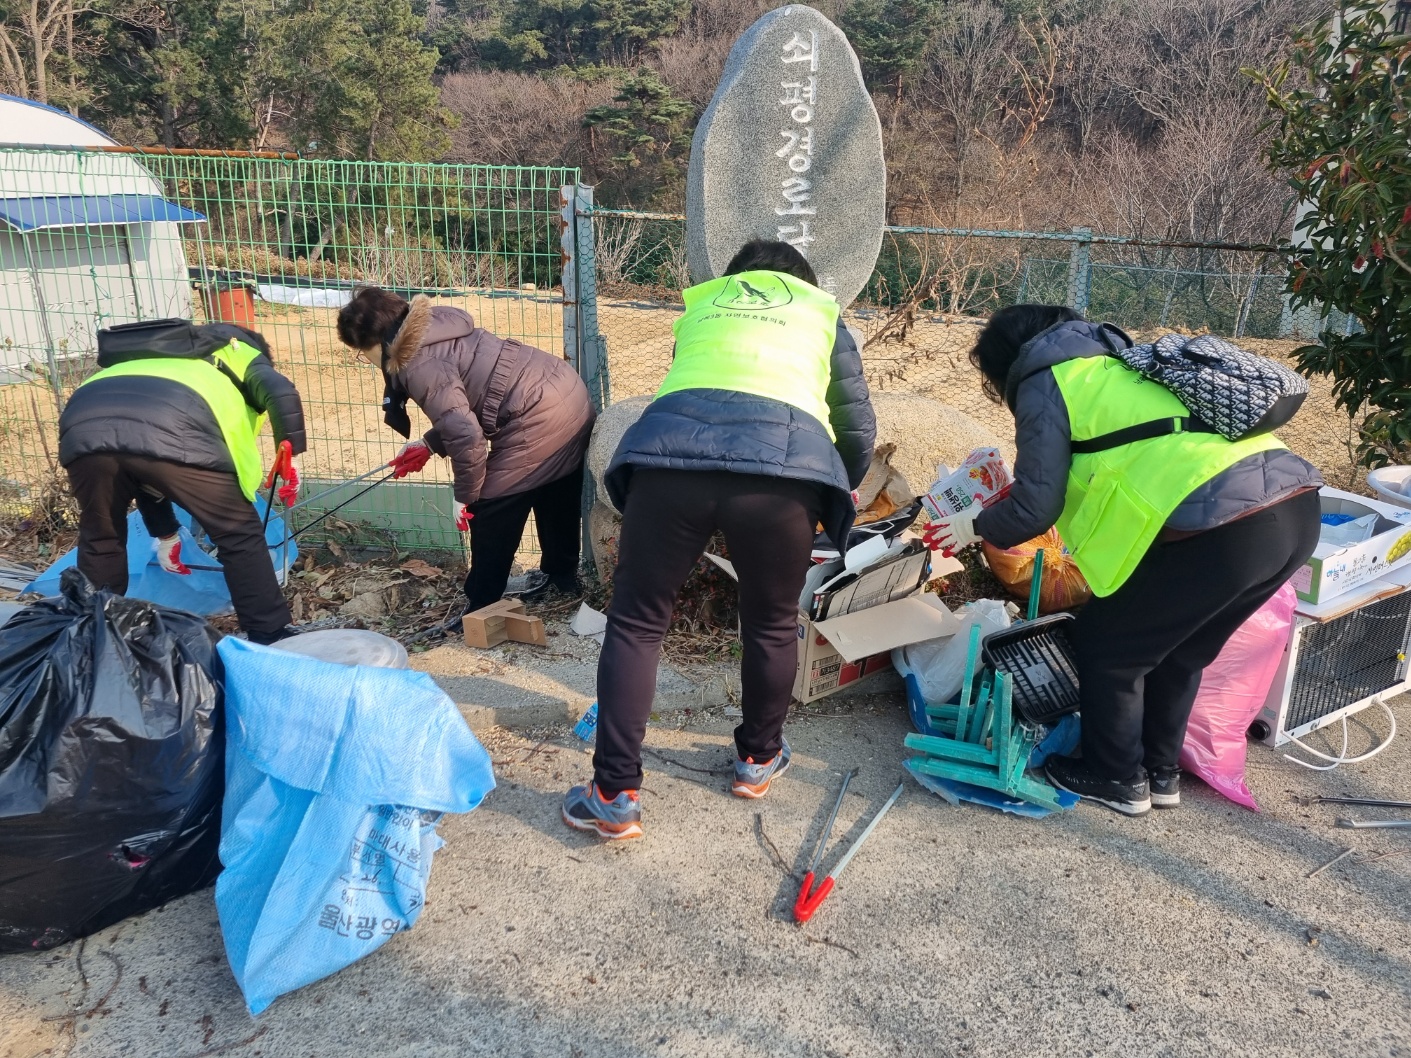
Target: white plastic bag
pixel 939 664
pixel 1357 531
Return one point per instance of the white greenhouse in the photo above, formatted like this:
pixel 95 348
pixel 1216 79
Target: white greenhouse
pixel 87 239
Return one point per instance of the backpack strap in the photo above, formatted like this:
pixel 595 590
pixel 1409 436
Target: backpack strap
pixel 1142 431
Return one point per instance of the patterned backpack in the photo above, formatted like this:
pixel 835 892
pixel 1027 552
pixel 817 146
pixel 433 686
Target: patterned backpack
pixel 1229 391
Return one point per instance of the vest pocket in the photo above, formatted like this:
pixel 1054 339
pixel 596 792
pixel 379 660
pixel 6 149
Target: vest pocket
pixel 1110 532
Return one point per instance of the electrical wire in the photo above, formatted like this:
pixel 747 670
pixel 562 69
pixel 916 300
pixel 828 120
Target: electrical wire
pixel 1342 757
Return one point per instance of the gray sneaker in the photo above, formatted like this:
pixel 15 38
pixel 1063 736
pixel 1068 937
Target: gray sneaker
pixel 752 780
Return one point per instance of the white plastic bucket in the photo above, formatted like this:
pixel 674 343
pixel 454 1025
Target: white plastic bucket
pixel 348 646
pixel 1391 484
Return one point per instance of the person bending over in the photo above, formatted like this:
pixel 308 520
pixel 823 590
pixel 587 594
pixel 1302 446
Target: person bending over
pixel 1182 537
pixel 761 429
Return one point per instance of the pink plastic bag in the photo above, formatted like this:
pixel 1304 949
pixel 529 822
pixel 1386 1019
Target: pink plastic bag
pixel 1232 691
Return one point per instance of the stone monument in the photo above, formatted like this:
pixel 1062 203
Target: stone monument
pixel 790 148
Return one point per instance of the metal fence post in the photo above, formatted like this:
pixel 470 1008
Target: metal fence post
pixel 594 365
pixel 584 347
pixel 1080 269
pixel 568 243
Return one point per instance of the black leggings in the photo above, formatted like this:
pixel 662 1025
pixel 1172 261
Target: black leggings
pixel 498 527
pixel 768 524
pixel 1141 650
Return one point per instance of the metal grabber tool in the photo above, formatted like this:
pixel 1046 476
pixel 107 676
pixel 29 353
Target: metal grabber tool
pixel 809 898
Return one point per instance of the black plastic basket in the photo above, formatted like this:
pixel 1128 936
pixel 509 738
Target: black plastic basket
pixel 1039 658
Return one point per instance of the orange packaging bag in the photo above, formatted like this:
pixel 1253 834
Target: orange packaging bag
pixel 1063 587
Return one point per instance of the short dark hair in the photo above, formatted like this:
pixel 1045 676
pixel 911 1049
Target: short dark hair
pixel 771 255
pixel 366 320
pixel 1007 332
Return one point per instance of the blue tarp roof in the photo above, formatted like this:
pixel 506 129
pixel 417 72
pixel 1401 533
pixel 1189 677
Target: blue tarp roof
pixel 80 211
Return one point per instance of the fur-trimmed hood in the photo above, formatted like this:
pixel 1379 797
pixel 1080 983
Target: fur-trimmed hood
pixel 424 324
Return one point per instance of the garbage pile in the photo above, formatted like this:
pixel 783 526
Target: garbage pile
pixel 144 756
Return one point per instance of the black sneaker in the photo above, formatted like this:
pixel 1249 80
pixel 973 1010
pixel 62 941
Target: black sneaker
pixel 265 639
pixel 527 586
pixel 1165 787
pixel 1131 798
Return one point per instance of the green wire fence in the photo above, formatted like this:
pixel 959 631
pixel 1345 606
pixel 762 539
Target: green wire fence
pixel 93 238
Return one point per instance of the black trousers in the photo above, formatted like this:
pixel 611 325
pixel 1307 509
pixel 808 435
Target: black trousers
pixel 1141 650
pixel 498 526
pixel 768 525
pixel 106 484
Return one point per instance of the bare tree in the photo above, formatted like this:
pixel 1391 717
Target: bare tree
pixel 967 79
pixel 520 119
pixel 29 40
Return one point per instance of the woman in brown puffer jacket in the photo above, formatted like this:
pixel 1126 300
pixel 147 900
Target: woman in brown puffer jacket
pixel 514 420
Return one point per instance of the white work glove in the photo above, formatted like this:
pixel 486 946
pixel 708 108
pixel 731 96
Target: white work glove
pixel 463 517
pixel 952 534
pixel 169 555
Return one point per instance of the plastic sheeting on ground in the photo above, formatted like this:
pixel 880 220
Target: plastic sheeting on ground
pixel 336 777
pixel 200 591
pixel 110 763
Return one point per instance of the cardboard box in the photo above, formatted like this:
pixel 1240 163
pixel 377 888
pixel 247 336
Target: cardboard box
pixel 841 650
pixel 1334 570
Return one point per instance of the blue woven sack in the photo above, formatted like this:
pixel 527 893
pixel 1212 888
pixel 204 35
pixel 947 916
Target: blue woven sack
pixel 336 777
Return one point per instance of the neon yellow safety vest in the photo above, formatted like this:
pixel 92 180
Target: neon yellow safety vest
pixel 239 423
pixel 764 333
pixel 1118 500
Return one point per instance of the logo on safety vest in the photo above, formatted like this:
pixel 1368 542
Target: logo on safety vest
pixel 759 291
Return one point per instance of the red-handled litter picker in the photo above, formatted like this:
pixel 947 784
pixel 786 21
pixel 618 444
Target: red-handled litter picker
pixel 387 475
pixel 809 898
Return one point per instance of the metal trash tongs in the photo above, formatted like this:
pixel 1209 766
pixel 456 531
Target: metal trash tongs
pixel 809 898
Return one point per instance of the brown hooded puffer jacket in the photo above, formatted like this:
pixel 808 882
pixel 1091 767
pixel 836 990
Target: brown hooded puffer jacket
pixel 510 416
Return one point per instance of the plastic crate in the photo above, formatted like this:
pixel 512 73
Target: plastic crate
pixel 1039 657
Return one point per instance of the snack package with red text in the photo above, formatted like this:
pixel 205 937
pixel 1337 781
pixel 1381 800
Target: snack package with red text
pixel 982 479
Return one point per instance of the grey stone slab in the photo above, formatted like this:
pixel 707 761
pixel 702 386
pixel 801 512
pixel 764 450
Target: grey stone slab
pixel 790 148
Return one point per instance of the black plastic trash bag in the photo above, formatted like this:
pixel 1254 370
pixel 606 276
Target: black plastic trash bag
pixel 111 762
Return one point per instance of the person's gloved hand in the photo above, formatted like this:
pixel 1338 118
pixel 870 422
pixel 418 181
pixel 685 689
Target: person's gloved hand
pixel 463 517
pixel 169 555
pixel 410 459
pixel 952 534
pixel 289 491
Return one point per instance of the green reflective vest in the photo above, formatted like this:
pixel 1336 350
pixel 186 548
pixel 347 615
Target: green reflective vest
pixel 239 423
pixel 763 333
pixel 1118 501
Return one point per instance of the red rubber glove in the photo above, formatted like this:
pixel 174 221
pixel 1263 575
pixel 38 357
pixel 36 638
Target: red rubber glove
pixel 169 555
pixel 410 459
pixel 289 491
pixel 463 517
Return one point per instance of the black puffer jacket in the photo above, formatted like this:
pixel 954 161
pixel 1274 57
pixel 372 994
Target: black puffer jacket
pixel 718 429
pixel 1043 436
pixel 160 418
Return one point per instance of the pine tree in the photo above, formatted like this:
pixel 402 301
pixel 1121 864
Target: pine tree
pixel 890 38
pixel 650 127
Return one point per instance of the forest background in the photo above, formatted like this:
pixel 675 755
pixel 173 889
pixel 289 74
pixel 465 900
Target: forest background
pixel 1129 116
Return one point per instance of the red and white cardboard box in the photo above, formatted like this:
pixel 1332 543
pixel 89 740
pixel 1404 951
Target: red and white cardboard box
pixel 840 651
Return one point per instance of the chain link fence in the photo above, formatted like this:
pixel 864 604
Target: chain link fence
pixel 97 237
pixel 932 288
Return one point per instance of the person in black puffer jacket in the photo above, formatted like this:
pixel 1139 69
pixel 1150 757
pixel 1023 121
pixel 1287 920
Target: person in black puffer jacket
pixel 762 428
pixel 172 417
pixel 1182 536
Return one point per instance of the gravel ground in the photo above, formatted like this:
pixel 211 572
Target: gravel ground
pixel 956 932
